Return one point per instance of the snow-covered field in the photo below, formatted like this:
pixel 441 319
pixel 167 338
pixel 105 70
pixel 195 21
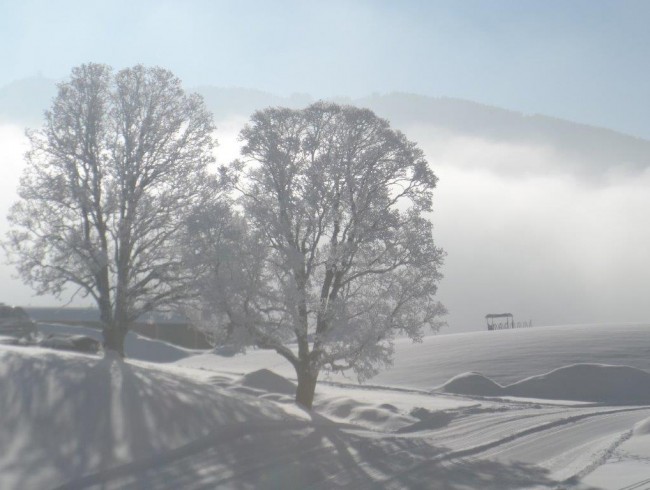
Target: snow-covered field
pixel 551 408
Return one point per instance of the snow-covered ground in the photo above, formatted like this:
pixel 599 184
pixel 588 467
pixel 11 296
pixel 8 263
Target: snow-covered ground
pixel 506 356
pixel 550 409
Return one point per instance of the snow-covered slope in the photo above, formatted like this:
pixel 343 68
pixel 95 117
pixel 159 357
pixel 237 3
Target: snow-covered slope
pixel 71 421
pixel 508 356
pixel 505 356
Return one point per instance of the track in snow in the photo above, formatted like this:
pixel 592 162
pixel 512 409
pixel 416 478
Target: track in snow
pixel 509 445
pixel 567 443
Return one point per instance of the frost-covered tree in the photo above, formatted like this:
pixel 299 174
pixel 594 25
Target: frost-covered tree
pixel 330 254
pixel 110 178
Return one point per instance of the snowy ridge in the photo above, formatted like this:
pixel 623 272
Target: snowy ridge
pixel 601 383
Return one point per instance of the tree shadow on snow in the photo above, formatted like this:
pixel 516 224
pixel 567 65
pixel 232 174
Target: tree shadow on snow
pixel 313 454
pixel 152 430
pixel 65 416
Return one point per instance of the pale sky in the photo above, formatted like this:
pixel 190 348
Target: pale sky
pixel 582 60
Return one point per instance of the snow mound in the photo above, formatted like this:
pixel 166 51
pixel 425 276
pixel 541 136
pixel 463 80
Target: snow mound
pixel 601 383
pixel 587 382
pixel 378 417
pixel 267 380
pixel 473 384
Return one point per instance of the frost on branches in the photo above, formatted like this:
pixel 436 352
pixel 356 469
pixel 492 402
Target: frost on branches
pixel 327 253
pixel 110 180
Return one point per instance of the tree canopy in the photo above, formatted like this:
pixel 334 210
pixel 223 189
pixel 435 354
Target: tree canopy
pixel 327 254
pixel 118 165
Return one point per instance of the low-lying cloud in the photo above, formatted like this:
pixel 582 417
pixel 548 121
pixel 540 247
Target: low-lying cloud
pixel 527 232
pixel 526 228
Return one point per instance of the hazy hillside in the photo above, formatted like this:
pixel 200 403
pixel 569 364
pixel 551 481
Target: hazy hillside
pixel 599 146
pixel 24 101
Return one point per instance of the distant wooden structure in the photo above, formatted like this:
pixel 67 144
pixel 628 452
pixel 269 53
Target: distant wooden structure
pixel 504 321
pixel 494 321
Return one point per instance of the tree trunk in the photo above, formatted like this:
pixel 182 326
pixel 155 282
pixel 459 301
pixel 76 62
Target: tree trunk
pixel 114 336
pixel 306 387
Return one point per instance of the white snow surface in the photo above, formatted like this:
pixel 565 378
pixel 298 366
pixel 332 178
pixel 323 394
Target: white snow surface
pixel 70 420
pixel 504 356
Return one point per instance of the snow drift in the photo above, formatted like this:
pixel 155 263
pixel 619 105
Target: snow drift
pixel 472 384
pixel 601 383
pixel 266 380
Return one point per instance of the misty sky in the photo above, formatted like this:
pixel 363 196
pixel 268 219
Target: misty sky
pixel 583 60
pixel 524 230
